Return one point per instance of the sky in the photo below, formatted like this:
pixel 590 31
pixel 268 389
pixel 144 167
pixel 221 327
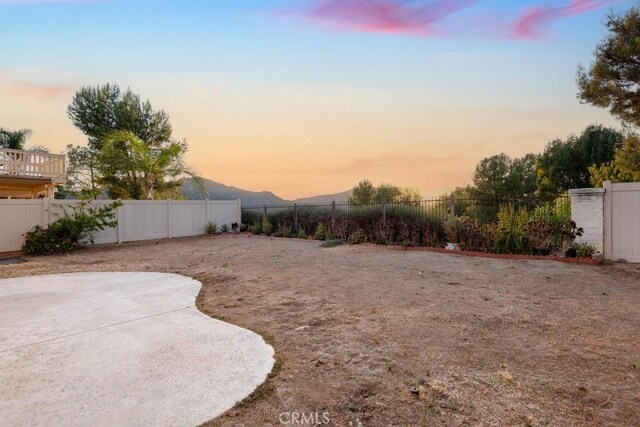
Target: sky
pixel 310 97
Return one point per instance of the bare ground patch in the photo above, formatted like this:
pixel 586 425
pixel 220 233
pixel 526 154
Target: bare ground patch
pixel 493 342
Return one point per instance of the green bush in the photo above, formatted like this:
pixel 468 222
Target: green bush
pixel 301 234
pixel 357 238
pixel 267 228
pixel 471 234
pixel 510 230
pixel 332 243
pixel 321 232
pixel 283 230
pixel 225 228
pixel 66 234
pixel 256 228
pixel 211 228
pixel 583 249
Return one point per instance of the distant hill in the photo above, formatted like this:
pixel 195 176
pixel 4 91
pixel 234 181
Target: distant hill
pixel 217 191
pixel 327 198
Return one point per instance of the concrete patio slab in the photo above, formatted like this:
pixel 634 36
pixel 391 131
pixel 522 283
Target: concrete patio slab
pixel 119 349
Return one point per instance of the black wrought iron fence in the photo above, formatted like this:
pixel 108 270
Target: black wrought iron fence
pixel 419 223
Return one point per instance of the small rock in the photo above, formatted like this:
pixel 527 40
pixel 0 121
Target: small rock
pixel 302 328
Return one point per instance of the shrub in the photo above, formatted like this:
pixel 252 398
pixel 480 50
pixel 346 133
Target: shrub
pixel 569 230
pixel 256 228
pixel 250 216
pixel 557 211
pixel 321 232
pixel 283 230
pixel 267 228
pixel 472 235
pixel 225 228
pixel 357 238
pixel 301 234
pixel 540 232
pixel 211 228
pixel 244 227
pixel 450 230
pixel 510 230
pixel 332 243
pixel 583 249
pixel 66 234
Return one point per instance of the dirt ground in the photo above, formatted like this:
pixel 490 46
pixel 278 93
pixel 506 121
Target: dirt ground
pixel 486 341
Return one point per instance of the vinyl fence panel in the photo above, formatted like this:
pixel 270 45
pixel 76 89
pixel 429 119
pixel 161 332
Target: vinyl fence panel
pixel 622 221
pixel 16 218
pixel 137 219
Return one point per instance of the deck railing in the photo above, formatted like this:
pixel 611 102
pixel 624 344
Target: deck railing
pixel 31 164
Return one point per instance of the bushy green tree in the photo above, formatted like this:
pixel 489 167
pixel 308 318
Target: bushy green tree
pixel 625 166
pixel 565 164
pixel 129 166
pixel 501 177
pixel 101 110
pixel 363 193
pixel 366 193
pixel 387 193
pixel 611 81
pixel 82 171
pixel 130 152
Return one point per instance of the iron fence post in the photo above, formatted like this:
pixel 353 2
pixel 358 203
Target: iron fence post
pixel 333 214
pixel 452 207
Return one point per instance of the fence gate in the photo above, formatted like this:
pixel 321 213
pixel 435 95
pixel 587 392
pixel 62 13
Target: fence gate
pixel 622 221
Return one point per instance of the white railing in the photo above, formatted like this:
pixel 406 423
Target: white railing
pixel 19 163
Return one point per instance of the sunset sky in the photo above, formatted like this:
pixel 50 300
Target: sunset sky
pixel 309 97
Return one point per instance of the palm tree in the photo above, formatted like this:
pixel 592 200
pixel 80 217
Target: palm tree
pixel 14 139
pixel 131 161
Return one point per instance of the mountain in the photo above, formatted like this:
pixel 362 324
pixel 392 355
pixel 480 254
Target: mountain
pixel 326 198
pixel 217 191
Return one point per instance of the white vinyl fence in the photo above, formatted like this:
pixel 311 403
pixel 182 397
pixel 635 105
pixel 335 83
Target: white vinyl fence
pixel 622 221
pixel 610 217
pixel 137 219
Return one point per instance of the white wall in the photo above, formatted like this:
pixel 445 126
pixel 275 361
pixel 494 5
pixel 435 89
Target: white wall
pixel 587 211
pixel 137 220
pixel 610 217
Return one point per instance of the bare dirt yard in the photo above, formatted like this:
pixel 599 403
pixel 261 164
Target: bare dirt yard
pixel 486 341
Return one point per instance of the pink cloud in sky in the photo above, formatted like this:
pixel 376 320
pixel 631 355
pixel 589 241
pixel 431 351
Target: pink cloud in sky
pixel 422 17
pixel 385 16
pixel 535 19
pixel 34 90
pixel 45 1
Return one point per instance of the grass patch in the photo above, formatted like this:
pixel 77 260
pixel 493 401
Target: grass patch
pixel 332 243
